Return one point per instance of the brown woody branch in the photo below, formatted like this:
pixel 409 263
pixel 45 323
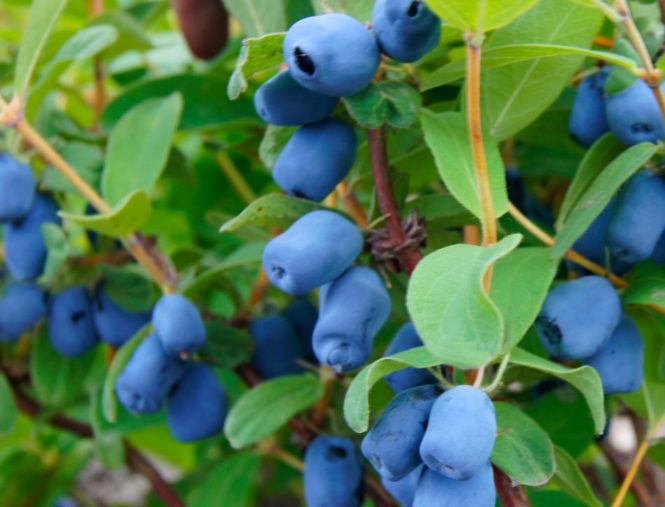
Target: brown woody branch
pixel 509 494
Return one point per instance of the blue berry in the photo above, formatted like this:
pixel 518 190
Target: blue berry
pixel 114 324
pixel 71 325
pixel 303 316
pixel 317 248
pixel 352 310
pixel 460 435
pixel 406 29
pixel 392 444
pixel 332 54
pixel 440 491
pixel 332 475
pixel 634 116
pixel 178 325
pixel 22 306
pixel 620 362
pixel 282 101
pixel 659 252
pixel 404 490
pixel 276 347
pixel 148 377
pixel 578 317
pixel 196 407
pixel 405 339
pixel 17 188
pixel 587 119
pixel 25 250
pixel 316 159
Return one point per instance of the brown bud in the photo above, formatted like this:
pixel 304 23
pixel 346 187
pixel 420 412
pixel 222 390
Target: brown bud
pixel 205 25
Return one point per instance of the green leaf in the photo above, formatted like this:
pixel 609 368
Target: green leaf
pixel 204 106
pixel 585 379
pixel 447 136
pixel 647 286
pixel 127 217
pixel 523 450
pixel 515 95
pixel 356 402
pixel 268 406
pixel 139 146
pixel 129 286
pixel 511 54
pixel 122 356
pixel 256 55
pixel 599 156
pixel 258 17
pixel 359 9
pixel 229 483
pixel 8 411
pixel 272 210
pixel 599 193
pixel 57 248
pixel 479 16
pixel 386 102
pixel 454 317
pixel 226 347
pixel 57 380
pixel 519 286
pixel 570 479
pixel 273 142
pixel 43 16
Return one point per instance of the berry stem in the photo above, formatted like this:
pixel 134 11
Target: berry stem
pixel 509 494
pixel 639 490
pixel 632 472
pixel 352 205
pixel 409 256
pixel 231 171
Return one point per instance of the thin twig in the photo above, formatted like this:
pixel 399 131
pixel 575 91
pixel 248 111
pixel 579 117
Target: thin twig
pixel 352 205
pixel 234 175
pixel 510 495
pixel 638 489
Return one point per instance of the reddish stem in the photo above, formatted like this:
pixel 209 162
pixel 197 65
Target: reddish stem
pixel 510 496
pixel 408 256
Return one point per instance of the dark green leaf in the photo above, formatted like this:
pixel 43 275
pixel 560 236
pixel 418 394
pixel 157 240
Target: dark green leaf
pixel 8 410
pixel 386 102
pixel 647 286
pixel 570 479
pixel 230 483
pixel 226 347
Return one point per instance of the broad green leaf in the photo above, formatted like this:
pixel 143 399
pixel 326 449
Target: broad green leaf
pixel 267 407
pixel 511 54
pixel 479 16
pixel 356 402
pixel 129 286
pixel 386 102
pixel 127 217
pixel 204 103
pixel 139 146
pixel 647 286
pixel 86 158
pixel 110 449
pixel 519 286
pixel 57 380
pixel 523 450
pixel 57 252
pixel 256 55
pixel 599 193
pixel 122 356
pixel 447 136
pixel 43 16
pixel 230 483
pixel 132 35
pixel 599 156
pixel 272 210
pixel 454 317
pixel 226 346
pixel 570 479
pixel 258 17
pixel 585 379
pixel 359 9
pixel 514 96
pixel 8 411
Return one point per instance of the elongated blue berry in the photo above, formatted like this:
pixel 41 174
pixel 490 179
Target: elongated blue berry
pixel 303 316
pixel 114 324
pixel 178 324
pixel 634 116
pixel 435 490
pixel 276 347
pixel 71 325
pixel 588 121
pixel 17 188
pixel 404 490
pixel 405 339
pixel 22 306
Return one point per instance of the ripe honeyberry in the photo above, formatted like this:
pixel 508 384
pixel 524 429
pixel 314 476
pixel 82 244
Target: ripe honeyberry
pixel 634 116
pixel 276 347
pixel 620 362
pixel 148 376
pixel 196 408
pixel 637 221
pixel 406 29
pixel 405 339
pixel 114 324
pixel 22 306
pixel 317 248
pixel 659 252
pixel 25 250
pixel 392 444
pixel 579 317
pixel 332 54
pixel 587 119
pixel 404 490
pixel 460 435
pixel 303 316
pixel 178 325
pixel 17 188
pixel 316 159
pixel 332 475
pixel 282 101
pixel 440 491
pixel 71 326
pixel 352 310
